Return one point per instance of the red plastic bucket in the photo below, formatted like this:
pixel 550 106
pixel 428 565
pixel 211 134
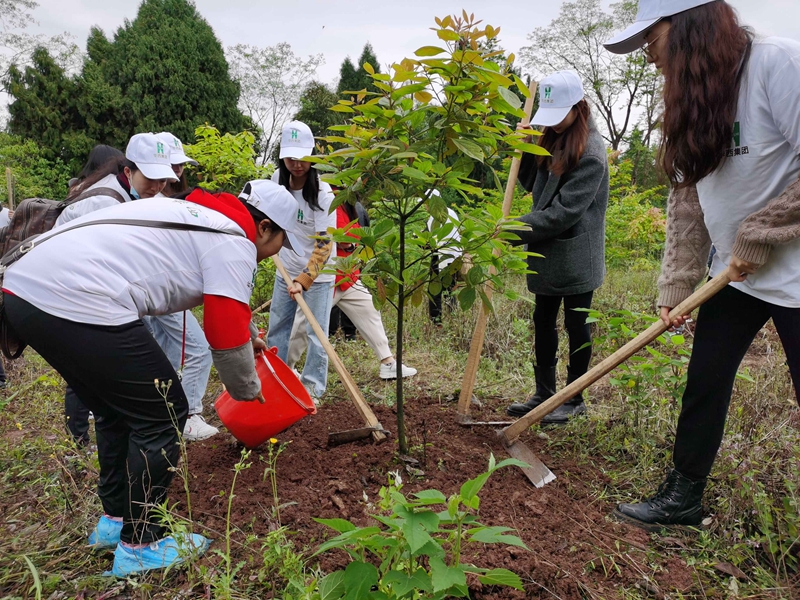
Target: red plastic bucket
pixel 287 401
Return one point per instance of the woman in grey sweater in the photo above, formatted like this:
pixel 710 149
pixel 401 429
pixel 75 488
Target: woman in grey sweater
pixel 567 228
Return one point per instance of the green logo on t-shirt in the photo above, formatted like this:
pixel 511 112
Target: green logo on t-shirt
pixel 737 149
pixel 736 135
pixel 300 215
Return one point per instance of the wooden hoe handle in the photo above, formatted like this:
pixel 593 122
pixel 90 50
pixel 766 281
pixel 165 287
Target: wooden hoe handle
pixel 479 335
pixel 361 405
pixel 512 432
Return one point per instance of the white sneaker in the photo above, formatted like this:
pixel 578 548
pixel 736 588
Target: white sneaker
pixel 389 370
pixel 197 429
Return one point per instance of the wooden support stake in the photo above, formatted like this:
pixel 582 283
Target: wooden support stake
pixel 10 186
pixel 349 385
pixel 479 335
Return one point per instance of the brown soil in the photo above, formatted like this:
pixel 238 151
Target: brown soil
pixel 575 550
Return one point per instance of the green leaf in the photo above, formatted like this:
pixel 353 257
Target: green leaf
pixel 359 577
pixel 466 298
pixel 444 577
pixel 340 525
pixel 341 108
pixel 416 526
pixel 531 149
pixel 448 35
pixel 502 577
pixel 435 288
pixel 471 487
pixel 430 496
pixel 331 587
pixel 495 535
pixel 402 583
pixel 509 96
pixel 678 340
pixel 429 51
pixel 414 173
pixel 469 148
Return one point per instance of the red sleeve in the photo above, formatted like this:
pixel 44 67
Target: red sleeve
pixel 342 221
pixel 226 322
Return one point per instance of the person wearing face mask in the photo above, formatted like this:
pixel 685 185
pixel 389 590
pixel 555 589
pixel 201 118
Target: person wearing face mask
pixel 567 227
pixel 84 317
pixel 143 173
pixel 179 161
pixel 730 145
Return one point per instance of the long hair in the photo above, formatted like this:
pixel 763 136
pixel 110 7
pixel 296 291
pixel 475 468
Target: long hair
pixel 707 51
pixel 176 187
pixel 98 157
pixel 310 188
pixel 566 148
pixel 115 166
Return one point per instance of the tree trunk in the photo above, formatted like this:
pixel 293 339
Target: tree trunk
pixel 401 300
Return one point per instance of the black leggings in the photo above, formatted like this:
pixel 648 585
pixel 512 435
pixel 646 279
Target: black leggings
pixel 726 326
pixel 113 370
pixel 546 331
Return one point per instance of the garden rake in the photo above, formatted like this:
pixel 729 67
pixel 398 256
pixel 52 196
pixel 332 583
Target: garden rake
pixel 538 473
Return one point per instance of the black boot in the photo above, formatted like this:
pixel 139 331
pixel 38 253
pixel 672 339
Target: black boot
pixel 677 502
pixel 545 387
pixel 571 408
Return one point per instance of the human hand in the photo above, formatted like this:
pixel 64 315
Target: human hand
pixel 294 289
pixel 259 345
pixel 525 126
pixel 676 322
pixel 260 399
pixel 739 269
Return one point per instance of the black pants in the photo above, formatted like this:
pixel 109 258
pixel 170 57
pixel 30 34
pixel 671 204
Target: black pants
pixel 435 302
pixel 546 332
pixel 113 371
pixel 726 326
pixel 77 416
pixel 339 320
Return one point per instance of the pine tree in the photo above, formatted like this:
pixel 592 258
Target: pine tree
pixel 44 109
pixel 165 70
pixel 352 78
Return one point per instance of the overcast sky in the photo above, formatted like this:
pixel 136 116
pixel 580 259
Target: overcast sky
pixel 340 28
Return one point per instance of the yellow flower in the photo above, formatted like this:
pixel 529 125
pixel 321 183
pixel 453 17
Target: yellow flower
pixel 19 426
pixel 273 440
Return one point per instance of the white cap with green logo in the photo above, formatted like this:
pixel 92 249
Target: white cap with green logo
pixel 650 13
pixel 297 141
pixel 151 156
pixel 558 93
pixel 176 154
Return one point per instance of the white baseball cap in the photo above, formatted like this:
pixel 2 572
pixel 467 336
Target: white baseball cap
pixel 297 141
pixel 276 203
pixel 176 154
pixel 558 93
pixel 151 156
pixel 650 13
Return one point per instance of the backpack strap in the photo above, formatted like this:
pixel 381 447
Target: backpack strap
pixel 92 192
pixel 28 245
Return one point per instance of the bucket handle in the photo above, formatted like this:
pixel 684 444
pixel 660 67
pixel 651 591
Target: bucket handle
pixel 300 403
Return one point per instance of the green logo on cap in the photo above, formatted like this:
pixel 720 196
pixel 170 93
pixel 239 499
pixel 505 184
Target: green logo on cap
pixel 159 148
pixel 547 91
pixel 295 134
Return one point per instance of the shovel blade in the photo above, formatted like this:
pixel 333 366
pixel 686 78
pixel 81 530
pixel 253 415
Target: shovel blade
pixel 537 471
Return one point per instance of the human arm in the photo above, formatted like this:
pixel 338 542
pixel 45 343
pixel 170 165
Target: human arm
pixel 568 206
pixel 685 253
pixel 227 328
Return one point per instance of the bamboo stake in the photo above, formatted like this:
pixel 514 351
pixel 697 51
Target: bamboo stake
pixel 349 385
pixel 10 185
pixel 479 335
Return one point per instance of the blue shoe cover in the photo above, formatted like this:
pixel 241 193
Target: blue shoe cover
pixel 106 534
pixel 164 553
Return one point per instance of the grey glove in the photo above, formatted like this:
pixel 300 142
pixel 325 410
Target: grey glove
pixel 237 370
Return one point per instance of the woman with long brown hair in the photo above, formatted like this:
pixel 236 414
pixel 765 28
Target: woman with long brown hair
pixel 731 148
pixel 567 228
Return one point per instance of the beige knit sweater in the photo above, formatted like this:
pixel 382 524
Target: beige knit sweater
pixel 688 242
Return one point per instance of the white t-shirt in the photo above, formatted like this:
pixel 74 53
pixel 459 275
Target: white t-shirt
pixel 763 160
pixel 5 217
pixel 84 207
pixel 309 223
pixel 115 274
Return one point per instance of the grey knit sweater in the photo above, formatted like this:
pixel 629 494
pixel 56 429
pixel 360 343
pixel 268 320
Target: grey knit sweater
pixel 688 242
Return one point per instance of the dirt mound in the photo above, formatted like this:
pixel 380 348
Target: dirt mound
pixel 575 551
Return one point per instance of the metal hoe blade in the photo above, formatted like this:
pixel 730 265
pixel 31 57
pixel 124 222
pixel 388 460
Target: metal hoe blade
pixel 537 471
